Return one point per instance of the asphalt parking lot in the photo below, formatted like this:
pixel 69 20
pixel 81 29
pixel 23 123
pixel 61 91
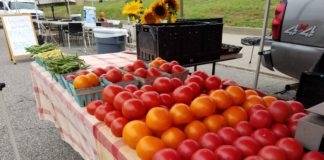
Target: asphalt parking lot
pixel 40 140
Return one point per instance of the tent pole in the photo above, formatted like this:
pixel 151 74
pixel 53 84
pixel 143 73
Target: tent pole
pixel 181 9
pixel 264 31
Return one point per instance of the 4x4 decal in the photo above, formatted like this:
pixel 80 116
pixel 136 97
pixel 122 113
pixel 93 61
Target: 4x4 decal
pixel 301 29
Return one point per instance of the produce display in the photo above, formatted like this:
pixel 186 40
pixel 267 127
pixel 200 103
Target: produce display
pixel 201 118
pixel 36 49
pixel 64 64
pixel 49 54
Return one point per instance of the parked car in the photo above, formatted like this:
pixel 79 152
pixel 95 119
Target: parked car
pixel 298 37
pixel 20 6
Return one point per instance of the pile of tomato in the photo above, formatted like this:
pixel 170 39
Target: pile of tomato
pixel 201 118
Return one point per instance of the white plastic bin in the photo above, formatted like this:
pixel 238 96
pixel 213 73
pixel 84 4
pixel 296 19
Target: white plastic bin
pixel 110 40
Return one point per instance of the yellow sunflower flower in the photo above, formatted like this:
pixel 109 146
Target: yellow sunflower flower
pixel 149 18
pixel 133 8
pixel 173 5
pixel 173 18
pixel 160 9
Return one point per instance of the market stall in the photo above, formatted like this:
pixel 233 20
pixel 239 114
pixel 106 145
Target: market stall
pixel 88 136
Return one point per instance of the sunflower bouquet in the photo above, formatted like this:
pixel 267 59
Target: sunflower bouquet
pixel 159 11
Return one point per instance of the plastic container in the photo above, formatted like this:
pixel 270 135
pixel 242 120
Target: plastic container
pixel 110 40
pixel 186 42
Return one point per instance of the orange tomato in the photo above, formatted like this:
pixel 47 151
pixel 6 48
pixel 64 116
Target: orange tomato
pixel 252 100
pixel 81 81
pixel 250 92
pixel 237 93
pixel 215 122
pixel 161 61
pixel 147 146
pixel 195 129
pixel 154 63
pixel 158 119
pixel 181 114
pixel 268 100
pixel 202 106
pixel 134 131
pixel 234 115
pixel 222 99
pixel 94 79
pixel 172 137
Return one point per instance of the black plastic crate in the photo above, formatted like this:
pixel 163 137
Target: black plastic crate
pixel 311 89
pixel 186 42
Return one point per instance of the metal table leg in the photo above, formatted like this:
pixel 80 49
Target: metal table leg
pixel 214 67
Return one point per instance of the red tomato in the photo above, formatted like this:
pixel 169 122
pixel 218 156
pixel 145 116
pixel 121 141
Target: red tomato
pixel 117 126
pixel 166 67
pixel 108 68
pixel 167 100
pixel 264 136
pixel 261 119
pixel 244 128
pixel 195 88
pixel 201 74
pixel 127 77
pixel 247 145
pixel 114 75
pixel 99 71
pixel 280 130
pixel 296 117
pixel 100 113
pixel 110 91
pixel 210 140
pixel 129 68
pixel 313 155
pixel 253 158
pixel 147 88
pixel 176 82
pixel 296 106
pixel 131 88
pixel 213 83
pixel 140 72
pixel 272 153
pixel 177 68
pixel 196 79
pixel 81 72
pixel 256 107
pixel 108 107
pixel 133 109
pixel 163 85
pixel 92 106
pixel 183 94
pixel 139 64
pixel 166 154
pixel 138 93
pixel 228 152
pixel 151 99
pixel 280 111
pixel 292 126
pixel 204 154
pixel 120 98
pixel 110 116
pixel 153 72
pixel 294 150
pixel 187 148
pixel 174 62
pixel 228 135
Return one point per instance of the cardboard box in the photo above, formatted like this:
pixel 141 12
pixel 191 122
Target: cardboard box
pixel 310 129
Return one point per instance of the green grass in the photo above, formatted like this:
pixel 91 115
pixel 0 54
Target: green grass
pixel 243 13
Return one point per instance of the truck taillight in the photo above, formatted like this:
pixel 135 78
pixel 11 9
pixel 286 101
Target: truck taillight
pixel 277 21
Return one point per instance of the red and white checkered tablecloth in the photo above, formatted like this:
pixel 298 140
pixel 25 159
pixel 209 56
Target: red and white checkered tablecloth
pixel 91 138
